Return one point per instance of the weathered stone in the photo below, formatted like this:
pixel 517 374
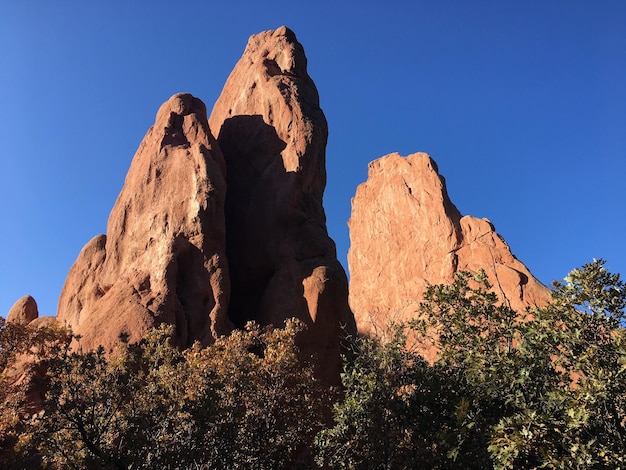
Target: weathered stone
pixel 23 311
pixel 163 259
pixel 406 235
pixel 273 135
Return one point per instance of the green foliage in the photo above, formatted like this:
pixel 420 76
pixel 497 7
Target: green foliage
pixel 571 412
pixel 367 420
pixel 248 401
pixel 131 410
pixel 271 405
pixel 18 346
pixel 540 389
pixel 537 389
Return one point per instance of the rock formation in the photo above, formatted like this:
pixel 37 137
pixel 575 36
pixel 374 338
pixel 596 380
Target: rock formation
pixel 178 219
pixel 208 234
pixel 163 258
pixel 23 311
pixel 273 135
pixel 406 234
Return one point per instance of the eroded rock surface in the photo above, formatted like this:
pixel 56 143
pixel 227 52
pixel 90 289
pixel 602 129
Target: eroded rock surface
pixel 406 234
pixel 163 258
pixel 273 135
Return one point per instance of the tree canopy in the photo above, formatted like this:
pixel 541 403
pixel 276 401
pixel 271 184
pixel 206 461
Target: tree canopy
pixel 537 389
pixel 248 401
pixel 543 388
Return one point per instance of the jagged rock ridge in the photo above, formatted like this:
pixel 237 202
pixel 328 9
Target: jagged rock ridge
pixel 406 234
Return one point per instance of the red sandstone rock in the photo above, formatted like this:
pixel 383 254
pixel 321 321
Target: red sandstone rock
pixel 23 311
pixel 406 235
pixel 163 259
pixel 273 135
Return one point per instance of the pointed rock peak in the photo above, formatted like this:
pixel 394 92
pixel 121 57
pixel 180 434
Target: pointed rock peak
pixel 273 134
pixel 423 190
pixel 279 51
pixel 163 259
pixel 285 31
pixel 181 121
pixel 269 107
pixel 406 235
pixel 181 104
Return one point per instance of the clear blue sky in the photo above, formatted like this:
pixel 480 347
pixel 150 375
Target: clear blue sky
pixel 521 103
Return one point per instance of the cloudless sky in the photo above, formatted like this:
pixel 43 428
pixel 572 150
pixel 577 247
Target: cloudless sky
pixel 521 103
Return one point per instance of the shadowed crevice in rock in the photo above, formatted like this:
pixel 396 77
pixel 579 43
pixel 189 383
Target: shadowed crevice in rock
pixel 254 162
pixel 173 133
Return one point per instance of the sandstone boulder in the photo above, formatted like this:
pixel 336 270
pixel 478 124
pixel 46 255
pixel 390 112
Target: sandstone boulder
pixel 163 258
pixel 406 234
pixel 273 135
pixel 23 311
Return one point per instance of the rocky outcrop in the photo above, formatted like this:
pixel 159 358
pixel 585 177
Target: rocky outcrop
pixel 163 258
pixel 406 234
pixel 273 135
pixel 254 197
pixel 23 311
pixel 178 219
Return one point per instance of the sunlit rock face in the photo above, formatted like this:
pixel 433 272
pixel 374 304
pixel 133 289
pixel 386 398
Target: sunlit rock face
pixel 208 234
pixel 163 258
pixel 23 311
pixel 406 234
pixel 273 135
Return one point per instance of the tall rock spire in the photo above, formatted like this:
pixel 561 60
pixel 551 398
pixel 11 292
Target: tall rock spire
pixel 163 258
pixel 273 135
pixel 207 234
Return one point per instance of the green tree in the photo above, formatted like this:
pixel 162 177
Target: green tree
pixel 369 425
pixel 271 404
pixel 247 401
pixel 580 420
pixel 21 347
pixel 535 389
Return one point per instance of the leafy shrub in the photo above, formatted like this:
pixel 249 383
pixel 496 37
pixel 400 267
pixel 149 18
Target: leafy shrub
pixel 536 389
pixel 248 401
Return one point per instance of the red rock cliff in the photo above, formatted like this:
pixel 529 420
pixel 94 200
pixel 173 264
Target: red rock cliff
pixel 163 258
pixel 406 234
pixel 207 234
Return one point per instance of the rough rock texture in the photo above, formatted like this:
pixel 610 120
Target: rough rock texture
pixel 23 311
pixel 273 135
pixel 163 258
pixel 406 234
